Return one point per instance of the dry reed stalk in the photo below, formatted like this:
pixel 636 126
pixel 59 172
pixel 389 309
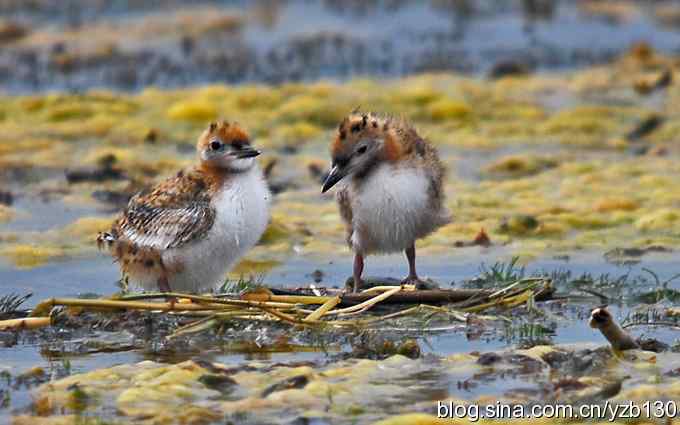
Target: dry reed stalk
pixel 319 312
pixel 25 323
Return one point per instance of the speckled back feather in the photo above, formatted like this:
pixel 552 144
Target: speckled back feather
pixel 173 214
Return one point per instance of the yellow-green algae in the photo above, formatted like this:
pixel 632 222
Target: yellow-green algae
pixel 26 256
pixel 154 393
pixel 548 150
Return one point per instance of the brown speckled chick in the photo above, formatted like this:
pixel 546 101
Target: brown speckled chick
pixel 392 191
pixel 187 231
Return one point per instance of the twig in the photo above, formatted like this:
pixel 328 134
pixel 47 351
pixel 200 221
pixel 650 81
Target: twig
pixel 667 324
pixel 319 312
pixel 285 317
pixel 404 312
pixel 290 299
pixel 136 305
pixel 507 302
pixel 367 304
pixel 193 327
pixel 387 288
pixel 502 291
pixel 26 323
pixel 603 298
pixel 205 299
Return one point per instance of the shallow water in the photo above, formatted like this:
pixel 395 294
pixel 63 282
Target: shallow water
pixel 302 41
pixel 73 277
pixel 541 163
pixel 99 275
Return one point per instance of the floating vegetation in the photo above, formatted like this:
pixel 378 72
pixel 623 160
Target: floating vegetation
pixel 519 166
pixel 376 340
pixel 575 168
pixel 9 304
pixel 549 201
pixel 204 391
pixel 499 273
pixel 333 311
pixel 28 256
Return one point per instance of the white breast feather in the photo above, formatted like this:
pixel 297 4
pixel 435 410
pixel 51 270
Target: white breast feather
pixel 391 210
pixel 242 214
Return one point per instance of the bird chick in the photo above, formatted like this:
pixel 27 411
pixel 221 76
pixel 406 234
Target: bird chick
pixel 187 231
pixel 392 187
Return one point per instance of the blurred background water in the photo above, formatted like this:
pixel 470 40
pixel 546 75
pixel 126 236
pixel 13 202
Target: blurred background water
pixel 50 48
pixel 127 45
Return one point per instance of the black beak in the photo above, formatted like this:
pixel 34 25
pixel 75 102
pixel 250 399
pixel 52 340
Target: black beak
pixel 245 153
pixel 334 176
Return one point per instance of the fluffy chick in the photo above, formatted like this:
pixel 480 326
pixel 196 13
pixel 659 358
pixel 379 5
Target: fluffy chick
pixel 187 231
pixel 391 192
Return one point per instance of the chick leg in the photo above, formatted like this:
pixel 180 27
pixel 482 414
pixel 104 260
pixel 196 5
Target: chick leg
pixel 164 284
pixel 412 278
pixel 358 270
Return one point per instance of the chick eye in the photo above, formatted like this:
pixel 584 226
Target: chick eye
pixel 361 150
pixel 215 145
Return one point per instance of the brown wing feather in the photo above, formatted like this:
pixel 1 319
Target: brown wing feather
pixel 172 214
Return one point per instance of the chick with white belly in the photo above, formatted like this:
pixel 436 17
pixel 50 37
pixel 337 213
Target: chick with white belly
pixel 185 233
pixel 391 192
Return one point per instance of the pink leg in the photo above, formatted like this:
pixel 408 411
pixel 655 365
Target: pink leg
pixel 412 277
pixel 358 270
pixel 163 284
